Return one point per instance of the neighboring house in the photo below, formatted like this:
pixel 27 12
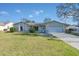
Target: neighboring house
pixel 74 28
pixel 6 26
pixel 77 29
pixel 53 26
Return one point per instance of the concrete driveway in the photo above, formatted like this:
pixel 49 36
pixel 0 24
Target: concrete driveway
pixel 68 38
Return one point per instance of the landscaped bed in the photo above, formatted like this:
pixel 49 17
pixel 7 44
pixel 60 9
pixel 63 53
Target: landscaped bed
pixel 29 45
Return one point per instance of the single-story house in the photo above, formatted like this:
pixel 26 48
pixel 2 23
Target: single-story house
pixel 52 26
pixel 6 26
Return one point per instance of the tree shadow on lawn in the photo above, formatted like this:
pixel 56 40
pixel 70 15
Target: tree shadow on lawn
pixel 49 36
pixel 34 34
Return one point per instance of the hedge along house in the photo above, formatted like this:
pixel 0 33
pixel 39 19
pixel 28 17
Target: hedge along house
pixel 49 27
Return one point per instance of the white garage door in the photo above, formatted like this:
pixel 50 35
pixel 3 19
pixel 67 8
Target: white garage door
pixel 55 29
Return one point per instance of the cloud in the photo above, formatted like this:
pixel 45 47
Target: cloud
pixel 38 12
pixel 41 11
pixel 30 16
pixel 18 11
pixel 4 13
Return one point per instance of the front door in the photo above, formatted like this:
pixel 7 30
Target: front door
pixel 21 28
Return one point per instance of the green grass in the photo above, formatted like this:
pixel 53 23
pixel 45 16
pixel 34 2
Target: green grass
pixel 26 45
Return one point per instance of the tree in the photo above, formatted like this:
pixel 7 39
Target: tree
pixel 12 29
pixel 32 30
pixel 66 10
pixel 46 20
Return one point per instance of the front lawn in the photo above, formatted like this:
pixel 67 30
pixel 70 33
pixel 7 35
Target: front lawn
pixel 28 45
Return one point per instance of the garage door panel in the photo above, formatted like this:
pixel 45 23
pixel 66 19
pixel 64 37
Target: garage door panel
pixel 55 29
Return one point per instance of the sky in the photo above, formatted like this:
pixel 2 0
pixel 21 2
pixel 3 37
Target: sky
pixel 33 11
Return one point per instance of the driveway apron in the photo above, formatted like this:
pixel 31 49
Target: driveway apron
pixel 68 38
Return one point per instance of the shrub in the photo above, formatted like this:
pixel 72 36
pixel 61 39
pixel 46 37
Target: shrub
pixel 12 29
pixel 32 30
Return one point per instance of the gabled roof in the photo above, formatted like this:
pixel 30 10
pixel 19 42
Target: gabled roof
pixel 4 23
pixel 19 22
pixel 56 22
pixel 73 27
pixel 40 24
pixel 29 23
